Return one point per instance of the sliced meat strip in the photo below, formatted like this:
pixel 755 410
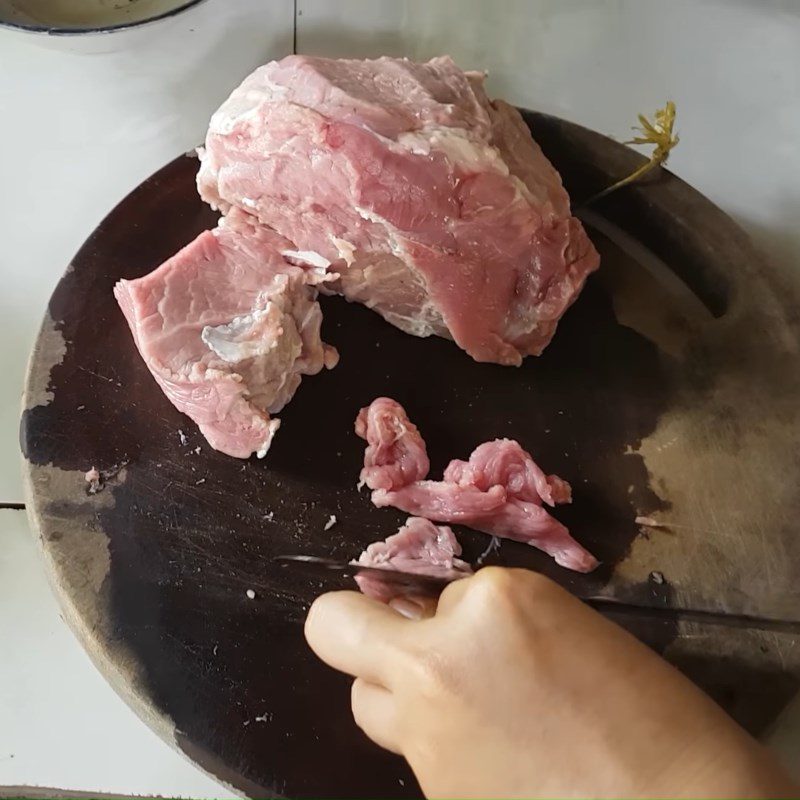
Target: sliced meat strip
pixel 500 490
pixel 396 454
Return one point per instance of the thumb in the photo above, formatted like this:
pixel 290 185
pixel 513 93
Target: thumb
pixel 355 634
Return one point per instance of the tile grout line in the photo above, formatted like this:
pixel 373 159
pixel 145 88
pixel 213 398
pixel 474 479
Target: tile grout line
pixel 49 793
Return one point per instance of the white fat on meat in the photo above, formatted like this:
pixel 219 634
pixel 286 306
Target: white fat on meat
pixel 445 215
pixel 465 151
pixel 345 249
pixel 228 327
pixel 248 336
pixel 306 257
pixel 499 490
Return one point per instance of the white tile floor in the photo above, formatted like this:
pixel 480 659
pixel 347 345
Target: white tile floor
pixel 79 131
pixel 733 68
pixel 85 129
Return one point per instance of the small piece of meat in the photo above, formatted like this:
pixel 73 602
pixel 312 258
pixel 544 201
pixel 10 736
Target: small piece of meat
pixel 227 327
pixel 95 480
pixel 419 547
pixel 396 454
pixel 649 522
pixel 499 490
pixel 436 206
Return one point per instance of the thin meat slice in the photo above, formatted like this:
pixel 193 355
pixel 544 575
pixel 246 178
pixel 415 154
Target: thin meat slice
pixel 500 490
pixel 396 454
pixel 433 203
pixel 503 462
pixel 419 547
pixel 516 519
pixel 227 327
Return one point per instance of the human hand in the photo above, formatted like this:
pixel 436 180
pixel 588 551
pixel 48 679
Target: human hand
pixel 512 687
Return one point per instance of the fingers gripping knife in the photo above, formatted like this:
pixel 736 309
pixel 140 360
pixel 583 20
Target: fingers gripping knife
pixel 408 583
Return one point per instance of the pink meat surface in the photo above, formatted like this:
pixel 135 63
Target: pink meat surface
pixel 433 203
pixel 500 490
pixel 419 547
pixel 395 454
pixel 227 327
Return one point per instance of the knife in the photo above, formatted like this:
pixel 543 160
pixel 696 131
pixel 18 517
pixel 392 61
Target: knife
pixel 404 582
pixel 430 586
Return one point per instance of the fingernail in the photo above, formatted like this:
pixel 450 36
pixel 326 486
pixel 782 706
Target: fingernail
pixel 409 608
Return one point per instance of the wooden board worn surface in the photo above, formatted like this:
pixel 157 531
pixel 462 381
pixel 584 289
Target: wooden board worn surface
pixel 669 391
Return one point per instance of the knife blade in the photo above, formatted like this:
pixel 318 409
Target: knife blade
pixel 431 587
pixel 404 582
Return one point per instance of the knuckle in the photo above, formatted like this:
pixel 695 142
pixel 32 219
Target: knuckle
pixel 495 579
pixel 356 690
pixel 495 584
pixel 499 586
pixel 312 618
pixel 357 702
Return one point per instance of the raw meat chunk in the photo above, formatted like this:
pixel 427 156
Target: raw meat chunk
pixel 419 547
pixel 433 203
pixel 227 327
pixel 499 490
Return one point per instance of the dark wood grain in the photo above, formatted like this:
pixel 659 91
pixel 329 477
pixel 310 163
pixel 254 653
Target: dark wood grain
pixel 670 390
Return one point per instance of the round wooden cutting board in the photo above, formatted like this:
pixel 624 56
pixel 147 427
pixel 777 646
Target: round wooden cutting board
pixel 670 391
